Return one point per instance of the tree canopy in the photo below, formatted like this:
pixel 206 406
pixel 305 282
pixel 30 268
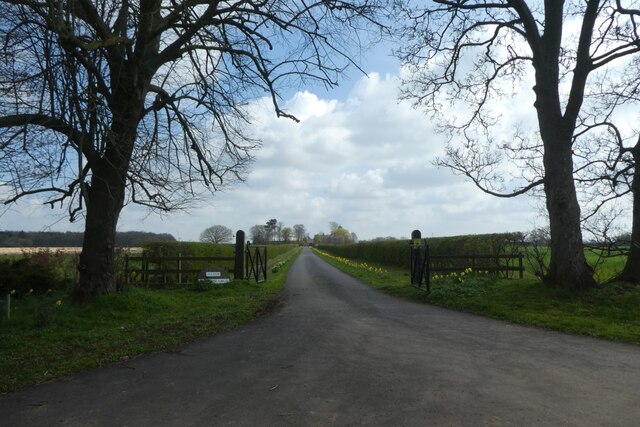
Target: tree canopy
pixel 109 102
pixel 471 55
pixel 216 234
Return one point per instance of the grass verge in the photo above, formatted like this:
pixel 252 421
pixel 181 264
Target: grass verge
pixel 114 328
pixel 611 311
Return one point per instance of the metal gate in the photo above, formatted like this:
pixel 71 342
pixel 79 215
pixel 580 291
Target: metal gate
pixel 256 263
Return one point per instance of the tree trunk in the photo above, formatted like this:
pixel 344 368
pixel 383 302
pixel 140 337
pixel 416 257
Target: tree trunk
pixel 97 260
pixel 105 199
pixel 568 267
pixel 106 194
pixel 631 271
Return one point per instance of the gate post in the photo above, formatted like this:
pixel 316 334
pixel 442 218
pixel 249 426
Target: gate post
pixel 419 255
pixel 238 268
pixel 416 257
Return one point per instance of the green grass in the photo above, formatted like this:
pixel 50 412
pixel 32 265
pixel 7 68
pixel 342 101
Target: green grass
pixel 606 268
pixel 611 311
pixel 117 327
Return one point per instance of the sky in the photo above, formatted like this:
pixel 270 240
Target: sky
pixel 358 157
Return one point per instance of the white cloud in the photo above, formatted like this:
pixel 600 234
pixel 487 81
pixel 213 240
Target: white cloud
pixel 364 162
pixel 32 214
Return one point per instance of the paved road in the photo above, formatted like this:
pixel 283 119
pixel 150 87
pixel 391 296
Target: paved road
pixel 340 353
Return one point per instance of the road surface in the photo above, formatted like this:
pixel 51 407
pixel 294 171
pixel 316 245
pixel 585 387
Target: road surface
pixel 340 353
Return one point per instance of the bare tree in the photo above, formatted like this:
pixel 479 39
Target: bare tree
pixel 300 232
pixel 607 174
pixel 609 152
pixel 475 52
pixel 279 228
pixel 108 102
pixel 270 227
pixel 535 245
pixel 631 271
pixel 287 232
pixel 216 234
pixel 259 235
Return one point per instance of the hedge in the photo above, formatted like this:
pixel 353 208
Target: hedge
pixel 395 253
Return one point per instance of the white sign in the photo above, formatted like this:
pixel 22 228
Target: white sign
pixel 214 275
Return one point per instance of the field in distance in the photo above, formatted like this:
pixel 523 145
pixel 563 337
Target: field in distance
pixel 68 250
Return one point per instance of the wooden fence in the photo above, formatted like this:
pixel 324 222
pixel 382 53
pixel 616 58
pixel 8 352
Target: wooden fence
pixel 157 270
pixel 502 265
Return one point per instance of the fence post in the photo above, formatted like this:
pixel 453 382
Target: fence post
pixel 238 268
pixel 520 266
pixel 265 263
pixel 427 267
pixel 416 257
pixel 126 270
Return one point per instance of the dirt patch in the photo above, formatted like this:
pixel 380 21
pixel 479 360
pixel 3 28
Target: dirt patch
pixel 271 306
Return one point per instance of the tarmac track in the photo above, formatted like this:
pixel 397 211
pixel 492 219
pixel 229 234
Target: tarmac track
pixel 339 353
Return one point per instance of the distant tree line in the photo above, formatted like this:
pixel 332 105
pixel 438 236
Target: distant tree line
pixel 24 239
pixel 275 231
pixel 337 236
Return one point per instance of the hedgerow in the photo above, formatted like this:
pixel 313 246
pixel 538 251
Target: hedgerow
pixel 395 253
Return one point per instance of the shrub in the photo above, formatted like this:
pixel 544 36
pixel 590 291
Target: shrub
pixel 25 277
pixel 62 265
